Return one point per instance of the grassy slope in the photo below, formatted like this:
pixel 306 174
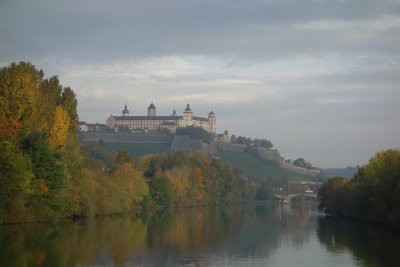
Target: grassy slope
pixel 251 166
pixel 140 149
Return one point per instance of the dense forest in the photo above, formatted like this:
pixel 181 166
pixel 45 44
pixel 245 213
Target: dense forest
pixel 44 175
pixel 372 194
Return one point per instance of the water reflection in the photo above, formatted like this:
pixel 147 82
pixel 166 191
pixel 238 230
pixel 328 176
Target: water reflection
pixel 371 245
pixel 257 235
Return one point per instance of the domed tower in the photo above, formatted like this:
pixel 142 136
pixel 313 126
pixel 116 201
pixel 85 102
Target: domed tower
pixel 125 112
pixel 212 122
pixel 188 115
pixel 151 110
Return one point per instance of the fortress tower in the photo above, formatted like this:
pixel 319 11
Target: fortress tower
pixel 125 112
pixel 151 110
pixel 187 116
pixel 212 122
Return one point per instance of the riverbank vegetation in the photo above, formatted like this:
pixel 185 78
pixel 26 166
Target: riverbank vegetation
pixel 373 194
pixel 44 174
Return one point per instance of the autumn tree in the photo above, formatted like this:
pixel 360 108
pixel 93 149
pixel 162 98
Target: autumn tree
pixel 9 129
pixel 59 130
pixel 372 194
pixel 18 92
pixel 70 105
pixel 122 157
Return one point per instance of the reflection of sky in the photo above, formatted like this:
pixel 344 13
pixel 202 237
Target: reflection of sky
pixel 277 236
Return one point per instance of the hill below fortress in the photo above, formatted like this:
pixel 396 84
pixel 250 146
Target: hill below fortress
pixel 257 163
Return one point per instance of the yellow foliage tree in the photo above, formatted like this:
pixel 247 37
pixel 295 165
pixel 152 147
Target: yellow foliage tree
pixel 18 91
pixel 179 177
pixel 130 183
pixel 199 182
pixel 59 130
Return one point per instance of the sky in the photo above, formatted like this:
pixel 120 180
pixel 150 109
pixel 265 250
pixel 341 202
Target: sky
pixel 319 79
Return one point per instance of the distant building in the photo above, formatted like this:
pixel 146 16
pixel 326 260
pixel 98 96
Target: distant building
pixel 223 137
pixel 92 127
pixel 152 122
pixel 83 127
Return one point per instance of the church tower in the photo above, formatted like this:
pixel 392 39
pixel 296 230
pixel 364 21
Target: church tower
pixel 125 112
pixel 151 110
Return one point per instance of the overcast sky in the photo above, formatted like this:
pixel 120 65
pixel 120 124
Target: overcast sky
pixel 320 79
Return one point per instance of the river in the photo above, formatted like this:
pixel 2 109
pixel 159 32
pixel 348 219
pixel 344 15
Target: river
pixel 243 235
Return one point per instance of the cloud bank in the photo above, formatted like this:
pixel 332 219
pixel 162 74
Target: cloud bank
pixel 320 79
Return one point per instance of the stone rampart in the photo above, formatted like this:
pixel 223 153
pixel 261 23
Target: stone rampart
pixel 230 147
pixel 183 142
pixel 123 137
pixel 269 154
pixel 210 149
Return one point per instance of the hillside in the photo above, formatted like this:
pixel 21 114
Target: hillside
pixel 255 169
pixel 343 172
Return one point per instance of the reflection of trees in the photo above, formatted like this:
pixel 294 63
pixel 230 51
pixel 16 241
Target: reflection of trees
pixel 175 236
pixel 370 244
pixel 71 243
pixel 168 237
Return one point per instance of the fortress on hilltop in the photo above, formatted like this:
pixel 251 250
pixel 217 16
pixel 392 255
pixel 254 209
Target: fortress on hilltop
pixel 152 122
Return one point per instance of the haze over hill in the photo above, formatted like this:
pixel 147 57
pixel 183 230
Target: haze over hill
pixel 320 79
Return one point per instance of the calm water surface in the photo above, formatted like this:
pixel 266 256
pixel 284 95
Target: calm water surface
pixel 254 235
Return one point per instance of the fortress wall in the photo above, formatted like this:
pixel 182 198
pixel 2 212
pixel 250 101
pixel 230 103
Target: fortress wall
pixel 229 146
pixel 210 149
pixel 183 142
pixel 265 153
pixel 123 137
pixel 270 154
pixel 300 170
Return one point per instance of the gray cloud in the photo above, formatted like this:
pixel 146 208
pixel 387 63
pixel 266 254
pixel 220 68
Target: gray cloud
pixel 239 30
pixel 318 78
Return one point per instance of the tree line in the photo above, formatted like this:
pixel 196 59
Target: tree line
pixel 372 194
pixel 250 142
pixel 44 174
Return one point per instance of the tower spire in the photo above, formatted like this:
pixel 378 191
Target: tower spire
pixel 125 112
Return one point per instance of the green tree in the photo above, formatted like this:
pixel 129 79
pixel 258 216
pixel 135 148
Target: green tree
pixel 233 139
pixel 263 193
pixel 381 179
pixel 16 179
pixel 265 143
pixel 46 167
pixel 195 133
pixel 161 191
pixel 123 156
pixel 332 195
pixel 302 163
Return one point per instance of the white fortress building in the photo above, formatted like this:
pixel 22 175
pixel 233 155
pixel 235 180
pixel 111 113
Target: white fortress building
pixel 152 122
